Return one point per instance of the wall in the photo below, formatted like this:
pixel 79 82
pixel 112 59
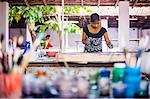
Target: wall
pixel 146 31
pixel 113 33
pixel 54 38
pixel 73 38
pixel 17 32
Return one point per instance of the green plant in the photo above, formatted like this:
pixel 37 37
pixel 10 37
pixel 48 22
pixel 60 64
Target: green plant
pixel 72 28
pixel 15 13
pixel 76 9
pixel 36 14
pixel 31 14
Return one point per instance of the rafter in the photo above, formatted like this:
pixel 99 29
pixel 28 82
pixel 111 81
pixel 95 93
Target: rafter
pixel 135 3
pixel 81 2
pixel 26 2
pixel 99 1
pixel 45 3
pixel 116 4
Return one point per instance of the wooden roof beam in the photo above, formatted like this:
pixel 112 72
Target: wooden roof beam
pixel 45 3
pixel 81 2
pixel 116 4
pixel 26 2
pixel 135 3
pixel 99 1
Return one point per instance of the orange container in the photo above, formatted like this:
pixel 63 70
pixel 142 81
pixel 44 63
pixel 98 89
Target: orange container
pixel 51 54
pixel 11 85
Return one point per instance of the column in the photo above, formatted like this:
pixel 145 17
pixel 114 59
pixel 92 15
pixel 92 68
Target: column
pixel 4 21
pixel 58 12
pixel 66 35
pixel 123 30
pixel 62 29
pixel 104 23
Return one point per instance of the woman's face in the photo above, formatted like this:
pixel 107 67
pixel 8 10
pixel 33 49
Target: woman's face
pixel 96 24
pixel 48 38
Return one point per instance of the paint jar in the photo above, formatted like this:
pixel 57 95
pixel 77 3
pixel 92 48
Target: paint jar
pixel 118 89
pixel 11 85
pixel 104 82
pixel 132 80
pixel 144 90
pixel 118 72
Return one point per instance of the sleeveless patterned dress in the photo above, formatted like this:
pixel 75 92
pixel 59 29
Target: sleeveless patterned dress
pixel 95 40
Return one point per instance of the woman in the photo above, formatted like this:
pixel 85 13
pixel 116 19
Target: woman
pixel 47 40
pixel 92 35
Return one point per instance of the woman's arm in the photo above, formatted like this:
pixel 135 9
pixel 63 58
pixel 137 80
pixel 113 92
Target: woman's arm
pixel 84 39
pixel 107 40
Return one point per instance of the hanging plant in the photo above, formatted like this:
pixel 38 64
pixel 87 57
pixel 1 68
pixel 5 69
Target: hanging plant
pixel 72 28
pixel 51 24
pixel 35 15
pixel 31 14
pixel 76 9
pixel 15 13
pixel 71 9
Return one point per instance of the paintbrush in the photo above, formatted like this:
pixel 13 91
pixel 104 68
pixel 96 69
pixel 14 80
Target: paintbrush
pixel 10 55
pixel 20 40
pixel 66 70
pixel 14 42
pixel 132 61
pixel 127 56
pixel 27 55
pixel 2 54
pixel 17 59
pixel 3 62
pixel 142 45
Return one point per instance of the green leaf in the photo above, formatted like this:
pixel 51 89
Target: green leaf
pixel 35 14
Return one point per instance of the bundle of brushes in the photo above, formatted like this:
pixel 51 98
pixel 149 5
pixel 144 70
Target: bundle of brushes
pixel 14 60
pixel 134 59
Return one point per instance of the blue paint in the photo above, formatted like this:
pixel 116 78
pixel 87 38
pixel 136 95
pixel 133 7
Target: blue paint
pixel 27 47
pixel 132 81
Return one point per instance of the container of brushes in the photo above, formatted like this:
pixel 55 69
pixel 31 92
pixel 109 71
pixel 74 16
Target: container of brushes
pixel 132 80
pixel 11 85
pixel 1 85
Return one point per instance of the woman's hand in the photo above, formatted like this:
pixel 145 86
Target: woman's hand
pixel 110 45
pixel 84 39
pixel 88 42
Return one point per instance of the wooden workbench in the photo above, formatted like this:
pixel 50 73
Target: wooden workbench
pixel 80 60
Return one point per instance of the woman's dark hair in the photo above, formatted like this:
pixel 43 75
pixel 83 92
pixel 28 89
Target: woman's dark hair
pixel 94 17
pixel 48 36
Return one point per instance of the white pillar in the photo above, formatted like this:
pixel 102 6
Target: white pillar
pixel 123 24
pixel 66 34
pixel 4 21
pixel 58 11
pixel 104 23
pixel 62 29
